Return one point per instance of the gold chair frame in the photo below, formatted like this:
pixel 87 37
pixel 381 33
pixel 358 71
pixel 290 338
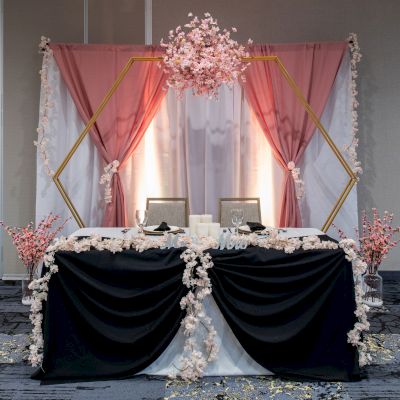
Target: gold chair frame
pixel 239 199
pixel 166 199
pixel 341 199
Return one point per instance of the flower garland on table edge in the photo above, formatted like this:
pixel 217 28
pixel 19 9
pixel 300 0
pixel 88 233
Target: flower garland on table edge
pixel 46 104
pixel 351 149
pixel 195 278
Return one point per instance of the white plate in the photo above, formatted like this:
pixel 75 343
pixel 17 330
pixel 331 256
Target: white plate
pixel 150 230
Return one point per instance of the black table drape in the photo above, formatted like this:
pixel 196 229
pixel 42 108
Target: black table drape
pixel 110 315
pixel 290 312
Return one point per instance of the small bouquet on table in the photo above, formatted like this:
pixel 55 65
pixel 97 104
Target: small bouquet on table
pixel 376 239
pixel 31 243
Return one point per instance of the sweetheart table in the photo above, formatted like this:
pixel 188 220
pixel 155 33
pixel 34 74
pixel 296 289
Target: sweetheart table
pixel 115 315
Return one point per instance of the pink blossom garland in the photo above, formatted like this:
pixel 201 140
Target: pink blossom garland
pixel 195 277
pixel 46 104
pixel 351 149
pixel 299 183
pixel 106 178
pixel 202 58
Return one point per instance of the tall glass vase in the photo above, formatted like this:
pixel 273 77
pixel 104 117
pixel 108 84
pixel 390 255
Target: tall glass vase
pixel 372 287
pixel 27 293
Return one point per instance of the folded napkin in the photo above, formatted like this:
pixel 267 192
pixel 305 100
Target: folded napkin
pixel 163 227
pixel 255 226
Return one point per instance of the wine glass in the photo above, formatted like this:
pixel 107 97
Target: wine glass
pixel 141 219
pixel 237 218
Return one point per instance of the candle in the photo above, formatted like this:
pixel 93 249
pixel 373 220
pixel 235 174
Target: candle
pixel 202 229
pixel 206 218
pixel 193 221
pixel 214 230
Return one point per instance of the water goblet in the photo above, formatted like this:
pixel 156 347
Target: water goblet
pixel 141 219
pixel 237 218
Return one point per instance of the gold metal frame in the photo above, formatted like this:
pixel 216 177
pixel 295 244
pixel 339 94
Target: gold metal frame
pixel 352 177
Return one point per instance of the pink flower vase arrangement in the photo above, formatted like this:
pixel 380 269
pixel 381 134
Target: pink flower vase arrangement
pixel 31 244
pixel 376 240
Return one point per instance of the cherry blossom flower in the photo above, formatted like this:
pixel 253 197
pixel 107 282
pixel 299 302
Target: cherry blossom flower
pixel 202 57
pixel 46 103
pixel 351 149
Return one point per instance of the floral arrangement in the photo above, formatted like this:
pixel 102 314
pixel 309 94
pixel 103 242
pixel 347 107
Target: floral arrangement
pixel 195 277
pixel 202 57
pixel 298 182
pixel 376 238
pixel 351 149
pixel 31 243
pixel 106 178
pixel 46 104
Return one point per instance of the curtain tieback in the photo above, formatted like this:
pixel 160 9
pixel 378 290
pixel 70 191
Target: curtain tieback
pixel 106 178
pixel 299 183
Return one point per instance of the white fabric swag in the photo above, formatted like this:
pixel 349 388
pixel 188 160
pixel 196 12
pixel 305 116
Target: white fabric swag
pixel 203 149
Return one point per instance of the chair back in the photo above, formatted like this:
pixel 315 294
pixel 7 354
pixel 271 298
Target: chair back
pixel 250 206
pixel 174 211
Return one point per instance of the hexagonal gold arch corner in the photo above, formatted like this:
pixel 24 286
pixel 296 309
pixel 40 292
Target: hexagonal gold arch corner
pixel 339 202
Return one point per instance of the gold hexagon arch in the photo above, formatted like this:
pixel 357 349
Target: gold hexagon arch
pixel 339 202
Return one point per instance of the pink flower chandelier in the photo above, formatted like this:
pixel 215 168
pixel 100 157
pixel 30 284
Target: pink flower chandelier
pixel 202 57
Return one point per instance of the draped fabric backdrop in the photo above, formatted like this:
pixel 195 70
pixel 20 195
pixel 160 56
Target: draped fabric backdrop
pixel 283 118
pixel 89 72
pixel 201 149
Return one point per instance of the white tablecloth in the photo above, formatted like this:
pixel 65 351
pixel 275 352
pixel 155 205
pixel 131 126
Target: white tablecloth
pixel 232 358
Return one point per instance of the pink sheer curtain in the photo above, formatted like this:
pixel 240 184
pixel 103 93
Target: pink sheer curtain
pixel 285 122
pixel 89 72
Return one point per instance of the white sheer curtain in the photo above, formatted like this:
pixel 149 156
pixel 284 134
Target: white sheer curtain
pixel 323 175
pixel 81 176
pixel 203 149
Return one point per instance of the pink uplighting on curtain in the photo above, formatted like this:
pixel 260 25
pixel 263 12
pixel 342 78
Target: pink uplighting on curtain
pixel 89 72
pixel 283 119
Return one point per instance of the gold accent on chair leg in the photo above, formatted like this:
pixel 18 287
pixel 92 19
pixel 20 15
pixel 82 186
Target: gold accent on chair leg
pixel 339 203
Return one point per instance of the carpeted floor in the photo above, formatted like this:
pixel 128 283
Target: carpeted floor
pixel 381 378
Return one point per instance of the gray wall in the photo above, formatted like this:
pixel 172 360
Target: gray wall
pixel 25 21
pixel 122 21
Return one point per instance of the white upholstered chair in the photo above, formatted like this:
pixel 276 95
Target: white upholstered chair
pixel 250 206
pixel 173 211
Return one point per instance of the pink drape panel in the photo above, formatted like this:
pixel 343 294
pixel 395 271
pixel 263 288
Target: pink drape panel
pixel 89 71
pixel 285 122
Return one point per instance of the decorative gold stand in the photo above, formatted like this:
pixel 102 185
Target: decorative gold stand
pixel 352 177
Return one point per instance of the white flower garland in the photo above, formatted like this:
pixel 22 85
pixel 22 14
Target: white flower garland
pixel 289 245
pixel 195 277
pixel 46 104
pixel 106 178
pixel 359 267
pixel 351 149
pixel 299 183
